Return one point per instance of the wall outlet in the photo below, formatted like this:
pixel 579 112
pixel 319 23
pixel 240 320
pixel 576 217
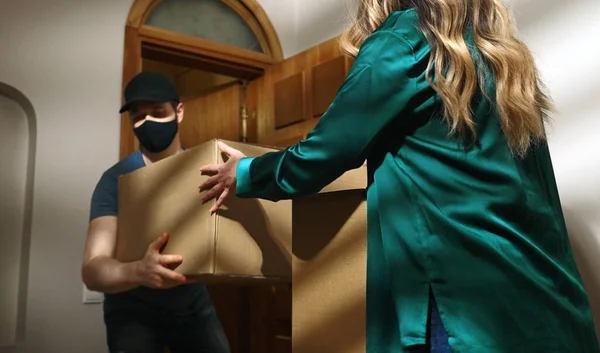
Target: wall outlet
pixel 91 297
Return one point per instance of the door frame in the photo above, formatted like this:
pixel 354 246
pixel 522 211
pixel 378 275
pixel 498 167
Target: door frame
pixel 145 42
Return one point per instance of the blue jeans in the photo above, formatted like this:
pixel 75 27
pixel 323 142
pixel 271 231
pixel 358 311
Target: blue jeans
pixel 437 338
pixel 134 327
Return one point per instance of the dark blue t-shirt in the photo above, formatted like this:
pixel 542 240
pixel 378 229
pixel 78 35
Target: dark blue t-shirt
pixel 105 203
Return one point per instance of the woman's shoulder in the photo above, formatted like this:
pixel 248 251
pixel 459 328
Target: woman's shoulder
pixel 402 24
pixel 402 21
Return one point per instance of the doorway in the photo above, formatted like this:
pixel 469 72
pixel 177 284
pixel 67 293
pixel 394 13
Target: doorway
pixel 216 53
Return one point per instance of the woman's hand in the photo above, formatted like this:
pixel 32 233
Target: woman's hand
pixel 222 182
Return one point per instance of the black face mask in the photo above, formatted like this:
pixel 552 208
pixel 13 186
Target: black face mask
pixel 156 137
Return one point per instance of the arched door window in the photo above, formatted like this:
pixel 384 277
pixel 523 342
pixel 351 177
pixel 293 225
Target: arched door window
pixel 212 20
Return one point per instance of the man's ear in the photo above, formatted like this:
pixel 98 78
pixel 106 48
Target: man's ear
pixel 180 112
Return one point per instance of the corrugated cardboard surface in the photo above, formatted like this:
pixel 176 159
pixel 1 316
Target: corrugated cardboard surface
pixel 247 238
pixel 329 268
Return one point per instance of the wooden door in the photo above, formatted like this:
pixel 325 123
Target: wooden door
pixel 292 95
pixel 214 114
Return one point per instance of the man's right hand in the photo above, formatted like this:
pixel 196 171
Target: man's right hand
pixel 152 271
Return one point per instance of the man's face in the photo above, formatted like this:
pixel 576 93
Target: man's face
pixel 153 111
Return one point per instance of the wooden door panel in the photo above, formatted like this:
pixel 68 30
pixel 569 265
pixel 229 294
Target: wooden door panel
pixel 290 100
pixel 212 115
pixel 297 91
pixel 328 77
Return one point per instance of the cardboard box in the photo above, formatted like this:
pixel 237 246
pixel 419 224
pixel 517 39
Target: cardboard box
pixel 247 239
pixel 252 239
pixel 329 267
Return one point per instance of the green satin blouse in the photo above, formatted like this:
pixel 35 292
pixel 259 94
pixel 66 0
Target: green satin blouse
pixel 482 229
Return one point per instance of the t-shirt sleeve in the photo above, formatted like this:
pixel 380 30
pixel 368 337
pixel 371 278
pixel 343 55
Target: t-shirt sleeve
pixel 104 199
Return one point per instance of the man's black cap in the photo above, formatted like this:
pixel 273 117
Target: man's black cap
pixel 149 86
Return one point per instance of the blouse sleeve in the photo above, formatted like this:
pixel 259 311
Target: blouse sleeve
pixel 375 93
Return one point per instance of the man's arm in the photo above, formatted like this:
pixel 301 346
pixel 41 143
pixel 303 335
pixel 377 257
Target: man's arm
pixel 100 271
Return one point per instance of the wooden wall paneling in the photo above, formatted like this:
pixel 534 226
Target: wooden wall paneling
pixel 290 100
pixel 323 69
pixel 291 74
pixel 328 77
pixel 327 50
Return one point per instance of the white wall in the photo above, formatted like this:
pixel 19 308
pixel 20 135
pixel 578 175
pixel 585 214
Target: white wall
pixel 66 57
pixel 282 16
pixel 564 37
pixel 317 21
pixel 300 24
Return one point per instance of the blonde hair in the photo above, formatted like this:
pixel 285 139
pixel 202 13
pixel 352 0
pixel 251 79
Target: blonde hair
pixel 522 103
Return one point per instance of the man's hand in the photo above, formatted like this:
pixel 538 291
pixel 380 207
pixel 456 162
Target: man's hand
pixel 153 270
pixel 223 180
